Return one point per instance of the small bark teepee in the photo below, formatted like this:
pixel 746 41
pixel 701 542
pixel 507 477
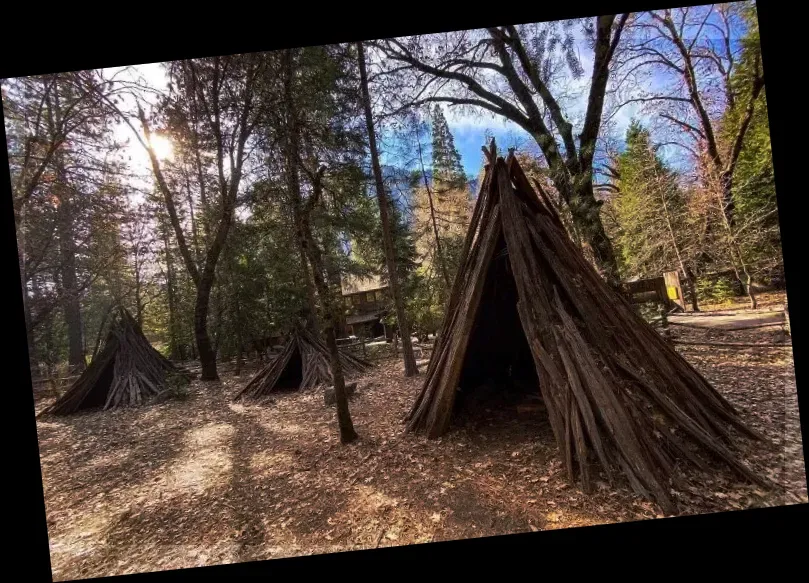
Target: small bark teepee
pixel 303 363
pixel 616 393
pixel 126 371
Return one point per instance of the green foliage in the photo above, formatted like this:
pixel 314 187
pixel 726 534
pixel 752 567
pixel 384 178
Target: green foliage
pixel 715 291
pixel 753 179
pixel 258 288
pixel 649 207
pixel 177 387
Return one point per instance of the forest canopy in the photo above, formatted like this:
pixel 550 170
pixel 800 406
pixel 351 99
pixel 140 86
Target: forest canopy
pixel 184 191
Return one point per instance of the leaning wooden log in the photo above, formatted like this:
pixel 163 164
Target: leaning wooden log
pixel 126 371
pixel 616 394
pixel 303 363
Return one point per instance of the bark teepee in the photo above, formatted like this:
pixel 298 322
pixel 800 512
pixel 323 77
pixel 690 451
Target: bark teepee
pixel 126 371
pixel 617 395
pixel 303 363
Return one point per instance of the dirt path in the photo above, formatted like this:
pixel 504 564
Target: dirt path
pixel 723 321
pixel 204 481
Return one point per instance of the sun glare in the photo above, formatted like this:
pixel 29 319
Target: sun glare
pixel 161 146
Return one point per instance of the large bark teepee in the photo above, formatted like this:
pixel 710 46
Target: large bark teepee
pixel 127 371
pixel 302 364
pixel 617 395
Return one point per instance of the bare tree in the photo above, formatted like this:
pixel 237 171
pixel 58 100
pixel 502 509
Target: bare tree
pixel 696 53
pixel 694 50
pixel 508 71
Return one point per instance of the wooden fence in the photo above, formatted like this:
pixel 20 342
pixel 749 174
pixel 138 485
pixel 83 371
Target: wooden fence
pixel 379 348
pixel 665 290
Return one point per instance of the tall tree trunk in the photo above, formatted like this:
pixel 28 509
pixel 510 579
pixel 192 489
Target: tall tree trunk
pixel 170 295
pixel 333 274
pixel 26 301
pixel 292 148
pixel 218 311
pixel 311 304
pixel 194 232
pixel 347 432
pixel 29 329
pixel 740 266
pixel 692 287
pixel 67 272
pixel 207 355
pixel 138 295
pixel 237 311
pixel 410 367
pixel 585 211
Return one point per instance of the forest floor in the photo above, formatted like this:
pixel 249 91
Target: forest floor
pixel 205 481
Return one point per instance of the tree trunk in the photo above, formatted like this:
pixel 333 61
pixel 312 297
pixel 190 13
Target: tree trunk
pixel 194 232
pixel 67 272
pixel 735 251
pixel 170 294
pixel 29 329
pixel 138 298
pixel 294 187
pixel 692 287
pixel 410 367
pixel 26 302
pixel 347 432
pixel 585 210
pixel 207 356
pixel 32 351
pixel 333 273
pixel 237 312
pixel 748 288
pixel 239 360
pixel 216 300
pixel 311 304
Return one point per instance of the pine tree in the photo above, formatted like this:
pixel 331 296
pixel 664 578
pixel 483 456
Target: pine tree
pixel 450 190
pixel 448 171
pixel 650 211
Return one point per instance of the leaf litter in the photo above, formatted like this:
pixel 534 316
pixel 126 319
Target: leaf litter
pixel 204 481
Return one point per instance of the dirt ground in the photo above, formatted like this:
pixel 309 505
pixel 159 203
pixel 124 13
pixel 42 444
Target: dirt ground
pixel 204 481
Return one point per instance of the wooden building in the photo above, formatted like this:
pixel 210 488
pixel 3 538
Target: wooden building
pixel 365 302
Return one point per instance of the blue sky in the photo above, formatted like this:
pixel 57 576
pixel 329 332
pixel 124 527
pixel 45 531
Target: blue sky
pixel 469 129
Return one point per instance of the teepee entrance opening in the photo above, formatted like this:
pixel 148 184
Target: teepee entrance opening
pixel 292 376
pixel 98 394
pixel 498 368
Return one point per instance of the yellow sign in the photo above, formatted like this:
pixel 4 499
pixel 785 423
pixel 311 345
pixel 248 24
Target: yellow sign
pixel 672 292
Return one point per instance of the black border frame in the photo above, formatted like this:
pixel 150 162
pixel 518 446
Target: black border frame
pixel 671 544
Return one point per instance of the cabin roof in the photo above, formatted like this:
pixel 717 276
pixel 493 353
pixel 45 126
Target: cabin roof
pixel 352 284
